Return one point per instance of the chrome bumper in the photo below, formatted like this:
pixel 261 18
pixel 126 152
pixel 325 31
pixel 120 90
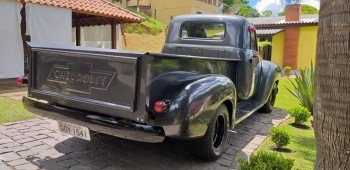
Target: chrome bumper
pixel 96 122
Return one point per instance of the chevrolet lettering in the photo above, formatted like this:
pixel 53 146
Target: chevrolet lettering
pixel 80 77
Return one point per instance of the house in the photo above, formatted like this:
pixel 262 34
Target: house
pixel 61 22
pixel 293 37
pixel 144 5
pixel 165 10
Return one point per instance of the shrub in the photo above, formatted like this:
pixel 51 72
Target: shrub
pixel 263 44
pixel 129 29
pixel 266 161
pixel 279 137
pixel 140 29
pixel 287 69
pixel 300 113
pixel 304 87
pixel 154 31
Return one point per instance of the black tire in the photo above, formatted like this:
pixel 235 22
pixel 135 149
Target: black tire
pixel 212 144
pixel 268 106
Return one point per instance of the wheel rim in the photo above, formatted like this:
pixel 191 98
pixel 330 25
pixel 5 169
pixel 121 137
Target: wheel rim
pixel 219 131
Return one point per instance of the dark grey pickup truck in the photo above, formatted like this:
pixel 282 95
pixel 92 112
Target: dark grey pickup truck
pixel 208 78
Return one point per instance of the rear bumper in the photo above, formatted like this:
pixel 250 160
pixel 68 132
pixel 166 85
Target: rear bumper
pixel 96 122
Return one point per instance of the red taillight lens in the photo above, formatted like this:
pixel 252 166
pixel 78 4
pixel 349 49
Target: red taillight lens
pixel 22 80
pixel 159 106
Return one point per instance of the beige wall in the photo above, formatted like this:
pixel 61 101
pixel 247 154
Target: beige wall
pixel 162 10
pixel 307 46
pixel 277 48
pixel 134 3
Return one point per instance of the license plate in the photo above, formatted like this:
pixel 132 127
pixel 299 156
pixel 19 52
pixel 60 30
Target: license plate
pixel 74 130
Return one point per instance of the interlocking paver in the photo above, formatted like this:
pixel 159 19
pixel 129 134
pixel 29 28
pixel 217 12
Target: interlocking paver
pixel 18 162
pixel 40 148
pixel 5 140
pixel 26 140
pixel 68 162
pixel 19 137
pixel 19 148
pixel 53 166
pixel 2 136
pixel 5 167
pixel 26 153
pixel 43 145
pixel 49 152
pixel 27 166
pixel 9 157
pixel 32 144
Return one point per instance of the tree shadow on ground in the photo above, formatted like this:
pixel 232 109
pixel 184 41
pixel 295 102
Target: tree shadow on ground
pixel 284 150
pixel 300 126
pixel 104 151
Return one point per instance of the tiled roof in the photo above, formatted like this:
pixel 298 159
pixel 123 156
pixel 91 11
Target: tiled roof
pixel 95 7
pixel 311 18
pixel 268 31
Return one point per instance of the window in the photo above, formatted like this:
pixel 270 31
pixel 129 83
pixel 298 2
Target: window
pixel 203 30
pixel 253 44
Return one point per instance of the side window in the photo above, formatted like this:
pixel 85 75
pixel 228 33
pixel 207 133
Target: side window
pixel 253 43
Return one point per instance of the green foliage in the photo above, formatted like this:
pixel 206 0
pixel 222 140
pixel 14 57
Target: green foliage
pixel 308 9
pixel 287 68
pixel 154 31
pixel 248 12
pixel 263 44
pixel 12 111
pixel 266 161
pixel 267 13
pixel 280 137
pixel 140 29
pixel 305 9
pixel 303 87
pixel 129 28
pixel 300 113
pixel 283 13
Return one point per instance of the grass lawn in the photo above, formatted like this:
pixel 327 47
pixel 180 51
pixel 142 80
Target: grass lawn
pixel 303 144
pixel 11 111
pixel 285 100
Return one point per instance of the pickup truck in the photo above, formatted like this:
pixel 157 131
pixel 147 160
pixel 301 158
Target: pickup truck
pixel 208 77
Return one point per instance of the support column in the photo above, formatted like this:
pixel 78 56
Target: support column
pixel 114 34
pixel 77 33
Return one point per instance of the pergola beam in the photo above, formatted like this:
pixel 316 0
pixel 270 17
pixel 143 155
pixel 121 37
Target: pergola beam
pixel 77 35
pixel 114 34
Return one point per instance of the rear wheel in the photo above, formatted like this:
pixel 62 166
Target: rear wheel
pixel 212 144
pixel 267 108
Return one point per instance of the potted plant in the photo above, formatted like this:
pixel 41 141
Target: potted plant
pixel 287 70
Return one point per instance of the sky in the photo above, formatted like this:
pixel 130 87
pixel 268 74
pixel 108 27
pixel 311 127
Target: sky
pixel 276 6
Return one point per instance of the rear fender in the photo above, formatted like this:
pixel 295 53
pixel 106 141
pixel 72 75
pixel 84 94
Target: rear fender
pixel 269 75
pixel 193 105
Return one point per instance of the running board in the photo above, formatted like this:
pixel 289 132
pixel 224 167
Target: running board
pixel 246 108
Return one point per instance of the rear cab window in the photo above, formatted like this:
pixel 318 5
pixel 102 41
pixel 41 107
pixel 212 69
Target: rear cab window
pixel 203 30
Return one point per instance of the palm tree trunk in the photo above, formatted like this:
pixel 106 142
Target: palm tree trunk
pixel 332 93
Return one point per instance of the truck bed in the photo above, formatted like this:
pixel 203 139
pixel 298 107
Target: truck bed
pixel 96 80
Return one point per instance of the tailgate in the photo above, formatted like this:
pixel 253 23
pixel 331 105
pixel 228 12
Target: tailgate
pixel 97 80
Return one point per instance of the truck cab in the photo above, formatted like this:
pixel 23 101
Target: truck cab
pixel 208 77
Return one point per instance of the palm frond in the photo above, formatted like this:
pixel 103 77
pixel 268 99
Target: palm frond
pixel 303 87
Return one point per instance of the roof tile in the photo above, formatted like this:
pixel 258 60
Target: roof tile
pixel 101 7
pixel 311 18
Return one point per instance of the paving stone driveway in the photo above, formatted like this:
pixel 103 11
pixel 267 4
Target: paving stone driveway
pixel 37 144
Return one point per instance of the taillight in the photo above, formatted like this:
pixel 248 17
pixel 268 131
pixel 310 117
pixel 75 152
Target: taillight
pixel 161 106
pixel 22 80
